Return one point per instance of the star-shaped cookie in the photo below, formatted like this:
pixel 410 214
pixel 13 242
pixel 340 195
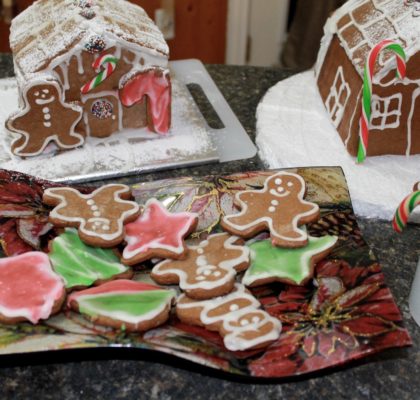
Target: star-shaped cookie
pixel 292 266
pixel 157 233
pixel 99 216
pixel 278 207
pixel 208 270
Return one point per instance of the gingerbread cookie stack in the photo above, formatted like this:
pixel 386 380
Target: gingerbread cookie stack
pixel 86 68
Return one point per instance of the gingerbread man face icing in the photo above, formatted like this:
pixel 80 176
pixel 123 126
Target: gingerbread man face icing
pixel 100 216
pixel 45 118
pixel 235 316
pixel 209 269
pixel 278 207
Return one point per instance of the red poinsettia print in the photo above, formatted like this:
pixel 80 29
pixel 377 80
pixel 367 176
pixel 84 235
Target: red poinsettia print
pixel 23 216
pixel 345 314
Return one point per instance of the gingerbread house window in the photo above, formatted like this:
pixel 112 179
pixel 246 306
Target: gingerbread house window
pixel 338 97
pixel 386 111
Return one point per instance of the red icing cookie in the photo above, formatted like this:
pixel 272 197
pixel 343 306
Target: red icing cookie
pixel 99 216
pixel 278 207
pixel 157 233
pixel 29 289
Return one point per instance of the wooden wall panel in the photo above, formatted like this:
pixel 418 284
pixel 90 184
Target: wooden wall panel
pixel 200 28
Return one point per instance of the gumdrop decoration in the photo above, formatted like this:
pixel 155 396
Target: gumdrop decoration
pixel 102 109
pixel 96 44
pixel 88 13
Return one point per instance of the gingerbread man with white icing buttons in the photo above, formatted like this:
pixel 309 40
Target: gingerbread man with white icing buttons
pixel 208 270
pixel 278 207
pixel 100 216
pixel 45 118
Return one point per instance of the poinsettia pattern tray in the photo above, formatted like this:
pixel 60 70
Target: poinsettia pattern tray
pixel 346 312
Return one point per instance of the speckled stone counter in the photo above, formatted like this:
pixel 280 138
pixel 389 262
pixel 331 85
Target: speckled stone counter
pixel 393 374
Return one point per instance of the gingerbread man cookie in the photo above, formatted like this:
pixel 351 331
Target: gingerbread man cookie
pixel 278 207
pixel 100 216
pixel 157 233
pixel 45 118
pixel 236 317
pixel 209 269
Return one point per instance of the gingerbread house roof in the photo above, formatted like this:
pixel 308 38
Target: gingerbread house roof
pixel 361 24
pixel 49 29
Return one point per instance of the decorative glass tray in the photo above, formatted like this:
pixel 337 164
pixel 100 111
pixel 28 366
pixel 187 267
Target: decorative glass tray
pixel 346 312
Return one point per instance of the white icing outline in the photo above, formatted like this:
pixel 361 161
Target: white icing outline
pixel 337 111
pixel 226 265
pixel 157 244
pixel 232 339
pixel 249 278
pixel 376 102
pixel 268 220
pixel 43 265
pixel 82 221
pixel 79 297
pixel 27 108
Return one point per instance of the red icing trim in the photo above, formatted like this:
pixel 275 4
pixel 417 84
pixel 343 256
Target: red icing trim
pixel 119 285
pixel 28 286
pixel 158 91
pixel 157 228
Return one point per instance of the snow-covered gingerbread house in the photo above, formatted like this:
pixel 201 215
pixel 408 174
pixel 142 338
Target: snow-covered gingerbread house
pixel 350 33
pixel 86 68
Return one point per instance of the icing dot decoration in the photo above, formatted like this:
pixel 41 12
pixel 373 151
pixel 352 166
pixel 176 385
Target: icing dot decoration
pixel 96 44
pixel 102 109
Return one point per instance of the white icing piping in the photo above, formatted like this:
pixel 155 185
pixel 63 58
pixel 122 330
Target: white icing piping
pixel 82 221
pixel 302 235
pixel 305 262
pixel 228 266
pixel 234 339
pixel 82 299
pixel 157 243
pixel 337 111
pixel 52 137
pixel 54 294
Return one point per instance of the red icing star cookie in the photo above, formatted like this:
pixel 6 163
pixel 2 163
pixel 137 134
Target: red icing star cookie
pixel 99 216
pixel 278 207
pixel 29 288
pixel 157 233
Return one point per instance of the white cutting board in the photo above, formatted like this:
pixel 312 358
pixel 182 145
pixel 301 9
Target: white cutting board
pixel 190 142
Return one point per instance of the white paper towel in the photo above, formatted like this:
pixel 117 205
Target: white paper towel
pixel 294 130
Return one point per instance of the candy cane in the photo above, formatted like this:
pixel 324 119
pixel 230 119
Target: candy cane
pixel 404 209
pixel 109 63
pixel 367 89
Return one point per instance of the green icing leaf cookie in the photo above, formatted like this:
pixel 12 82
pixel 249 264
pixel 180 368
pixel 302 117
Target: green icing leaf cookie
pixel 82 265
pixel 293 266
pixel 125 306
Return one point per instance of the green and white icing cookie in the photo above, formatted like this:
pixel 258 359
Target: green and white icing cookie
pixel 293 266
pixel 81 265
pixel 124 304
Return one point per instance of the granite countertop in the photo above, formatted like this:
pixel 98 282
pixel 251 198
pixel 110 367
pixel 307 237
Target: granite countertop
pixel 390 374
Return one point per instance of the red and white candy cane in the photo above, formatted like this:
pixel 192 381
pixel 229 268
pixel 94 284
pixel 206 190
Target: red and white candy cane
pixel 404 210
pixel 367 89
pixel 109 63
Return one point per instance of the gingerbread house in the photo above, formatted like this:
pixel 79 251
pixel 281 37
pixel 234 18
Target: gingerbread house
pixel 86 68
pixel 350 33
